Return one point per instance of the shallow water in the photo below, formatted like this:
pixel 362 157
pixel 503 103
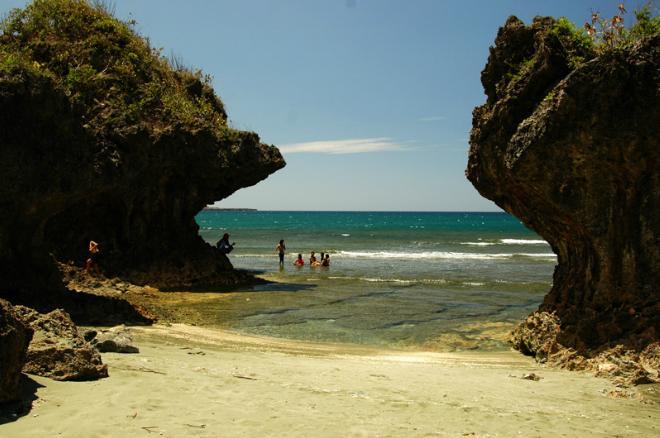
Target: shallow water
pixel 440 281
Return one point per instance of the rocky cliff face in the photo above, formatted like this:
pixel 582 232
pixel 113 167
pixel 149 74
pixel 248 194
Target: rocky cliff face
pixel 103 139
pixel 568 142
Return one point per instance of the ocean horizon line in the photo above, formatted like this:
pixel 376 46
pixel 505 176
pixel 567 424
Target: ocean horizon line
pixel 349 211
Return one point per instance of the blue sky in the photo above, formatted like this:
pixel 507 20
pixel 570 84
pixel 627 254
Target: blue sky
pixel 369 100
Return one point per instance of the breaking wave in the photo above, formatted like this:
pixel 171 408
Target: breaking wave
pixel 439 255
pixel 508 242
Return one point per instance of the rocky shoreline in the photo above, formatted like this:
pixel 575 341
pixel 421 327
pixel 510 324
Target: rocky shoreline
pixel 538 336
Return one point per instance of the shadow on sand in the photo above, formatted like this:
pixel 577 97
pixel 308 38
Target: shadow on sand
pixel 12 411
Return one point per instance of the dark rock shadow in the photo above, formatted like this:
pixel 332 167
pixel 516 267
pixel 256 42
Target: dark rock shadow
pixel 84 308
pixel 253 283
pixel 227 281
pixel 12 411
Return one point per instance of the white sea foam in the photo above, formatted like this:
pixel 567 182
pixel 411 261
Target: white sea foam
pixel 437 255
pixel 346 235
pixel 508 242
pixel 523 242
pixel 393 280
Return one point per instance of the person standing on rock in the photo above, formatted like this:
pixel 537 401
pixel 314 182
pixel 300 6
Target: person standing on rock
pixel 280 251
pixel 92 263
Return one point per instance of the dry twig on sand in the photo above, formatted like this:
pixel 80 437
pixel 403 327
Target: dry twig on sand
pixel 238 376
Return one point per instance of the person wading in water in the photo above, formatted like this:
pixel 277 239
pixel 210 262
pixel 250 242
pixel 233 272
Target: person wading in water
pixel 280 250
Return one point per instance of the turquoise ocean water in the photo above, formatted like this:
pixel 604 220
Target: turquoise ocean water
pixel 440 281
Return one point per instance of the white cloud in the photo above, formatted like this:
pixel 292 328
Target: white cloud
pixel 432 119
pixel 338 147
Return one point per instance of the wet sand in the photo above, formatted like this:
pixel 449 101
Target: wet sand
pixel 192 381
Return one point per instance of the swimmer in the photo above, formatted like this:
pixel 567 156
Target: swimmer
pixel 312 261
pixel 299 261
pixel 326 260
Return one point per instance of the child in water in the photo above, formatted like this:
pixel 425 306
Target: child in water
pixel 326 260
pixel 312 261
pixel 299 261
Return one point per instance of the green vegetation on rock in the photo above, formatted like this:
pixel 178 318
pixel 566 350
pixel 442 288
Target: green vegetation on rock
pixel 110 73
pixel 581 44
pixel 647 24
pixel 578 44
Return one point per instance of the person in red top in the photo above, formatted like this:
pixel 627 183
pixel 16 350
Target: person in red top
pixel 299 261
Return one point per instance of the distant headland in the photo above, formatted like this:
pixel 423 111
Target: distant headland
pixel 210 207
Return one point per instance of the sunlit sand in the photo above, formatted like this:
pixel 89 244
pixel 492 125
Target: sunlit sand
pixel 192 381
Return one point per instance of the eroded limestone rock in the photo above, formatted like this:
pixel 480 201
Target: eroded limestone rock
pixel 568 142
pixel 57 349
pixel 539 335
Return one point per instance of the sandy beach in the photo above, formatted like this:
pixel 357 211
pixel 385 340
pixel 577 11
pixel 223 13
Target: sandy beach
pixel 192 381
